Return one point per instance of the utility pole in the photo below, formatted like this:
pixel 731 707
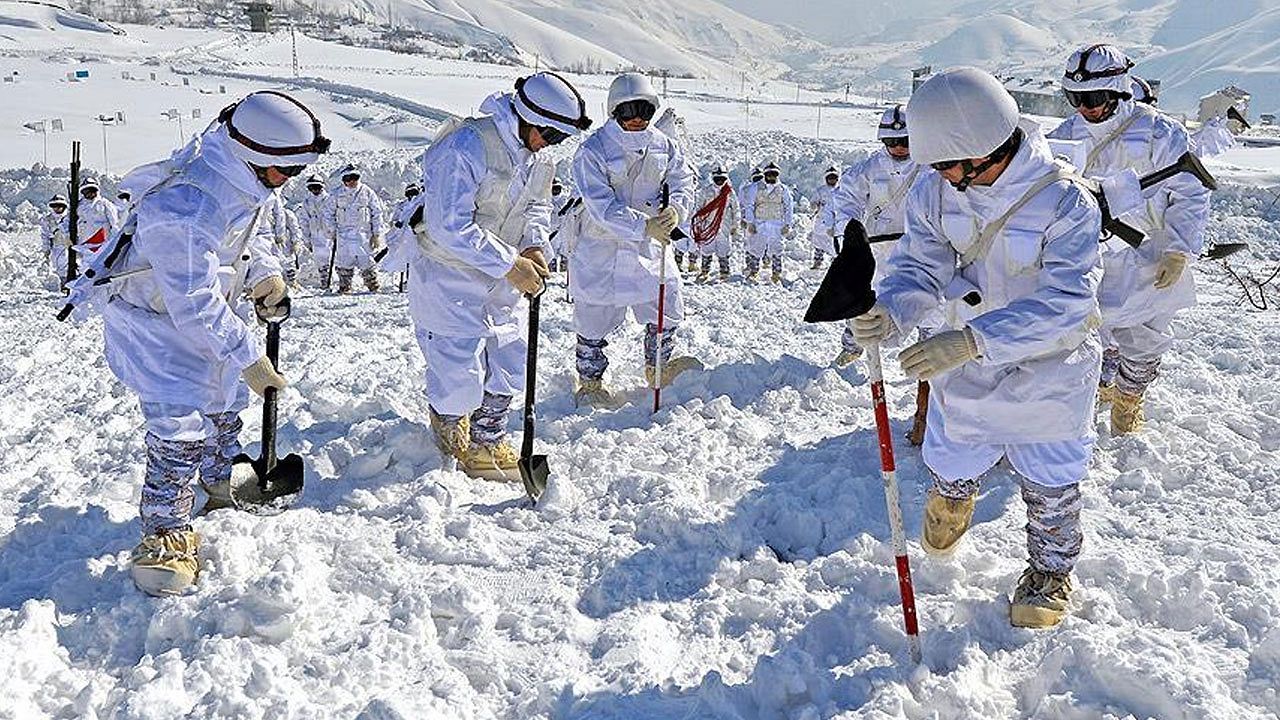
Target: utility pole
pixel 293 38
pixel 817 134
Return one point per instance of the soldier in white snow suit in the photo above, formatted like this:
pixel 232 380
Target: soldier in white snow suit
pixel 54 240
pixel 97 218
pixel 623 234
pixel 359 226
pixel 400 217
pixel 721 246
pixel 746 191
pixel 177 330
pixel 559 198
pixel 279 226
pixel 1003 233
pixel 874 192
pixel 769 212
pixel 317 228
pixel 123 204
pixel 822 234
pixel 1142 288
pixel 486 215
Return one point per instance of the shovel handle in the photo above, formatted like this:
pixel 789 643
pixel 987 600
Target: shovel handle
pixel 269 397
pixel 531 376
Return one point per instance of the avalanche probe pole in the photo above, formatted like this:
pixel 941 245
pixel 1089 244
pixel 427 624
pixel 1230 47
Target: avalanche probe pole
pixel 891 499
pixel 662 306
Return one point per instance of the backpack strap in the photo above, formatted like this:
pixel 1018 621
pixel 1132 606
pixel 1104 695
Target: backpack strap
pixel 987 236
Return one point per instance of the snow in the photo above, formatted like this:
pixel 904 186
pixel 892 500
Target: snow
pixel 726 558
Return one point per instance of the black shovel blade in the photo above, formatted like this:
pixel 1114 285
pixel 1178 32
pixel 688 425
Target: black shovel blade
pixel 260 492
pixel 534 472
pixel 1222 250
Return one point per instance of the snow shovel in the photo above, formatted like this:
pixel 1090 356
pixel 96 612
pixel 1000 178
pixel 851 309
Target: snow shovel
pixel 533 468
pixel 1221 251
pixel 268 485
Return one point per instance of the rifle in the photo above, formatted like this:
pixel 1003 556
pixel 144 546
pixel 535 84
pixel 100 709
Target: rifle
pixel 73 212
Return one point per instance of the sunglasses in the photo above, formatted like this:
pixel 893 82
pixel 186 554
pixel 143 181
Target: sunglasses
pixel 553 136
pixel 290 170
pixel 345 178
pixel 1088 98
pixel 896 142
pixel 633 109
pixel 772 173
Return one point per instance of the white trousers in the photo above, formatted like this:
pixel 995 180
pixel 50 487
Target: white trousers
pixel 460 370
pixel 595 322
pixel 767 239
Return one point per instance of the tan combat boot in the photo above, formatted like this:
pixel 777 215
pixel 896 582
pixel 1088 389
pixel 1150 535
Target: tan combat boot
pixel 945 523
pixel 452 437
pixel 591 392
pixel 497 461
pixel 166 563
pixel 847 358
pixel 1126 413
pixel 671 369
pixel 1040 600
pixel 1106 393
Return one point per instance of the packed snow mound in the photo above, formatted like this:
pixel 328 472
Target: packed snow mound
pixel 41 16
pixel 988 39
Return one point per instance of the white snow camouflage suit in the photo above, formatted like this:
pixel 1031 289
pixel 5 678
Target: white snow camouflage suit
pixel 1030 395
pixel 771 208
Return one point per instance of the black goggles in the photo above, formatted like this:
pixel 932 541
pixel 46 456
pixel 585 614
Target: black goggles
pixel 896 142
pixel 1088 98
pixel 772 174
pixel 945 165
pixel 552 136
pixel 633 109
pixel 350 176
pixel 290 170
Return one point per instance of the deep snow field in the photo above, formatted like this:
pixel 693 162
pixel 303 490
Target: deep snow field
pixel 725 558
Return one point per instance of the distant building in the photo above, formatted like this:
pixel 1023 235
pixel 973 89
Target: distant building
pixel 1216 105
pixel 259 16
pixel 1034 97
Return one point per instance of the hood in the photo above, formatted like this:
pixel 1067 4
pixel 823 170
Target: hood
pixel 498 106
pixel 628 140
pixel 1029 164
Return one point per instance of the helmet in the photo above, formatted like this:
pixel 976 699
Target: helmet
pixel 123 195
pixel 88 184
pixel 833 170
pixel 546 99
pixel 959 114
pixel 756 174
pixel 412 190
pixel 271 128
pixel 315 179
pixel 58 200
pixel 1142 91
pixel 772 168
pixel 1098 67
pixel 631 86
pixel 556 182
pixel 893 123
pixel 349 170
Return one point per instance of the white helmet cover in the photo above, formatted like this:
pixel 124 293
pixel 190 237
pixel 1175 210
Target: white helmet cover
pixel 1098 67
pixel 893 124
pixel 960 114
pixel 270 128
pixel 1142 91
pixel 58 200
pixel 315 179
pixel 631 86
pixel 88 183
pixel 546 99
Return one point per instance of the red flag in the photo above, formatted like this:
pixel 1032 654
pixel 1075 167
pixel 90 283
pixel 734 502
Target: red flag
pixel 96 239
pixel 706 221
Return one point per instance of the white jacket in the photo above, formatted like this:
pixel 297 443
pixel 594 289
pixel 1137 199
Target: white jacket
pixel 317 220
pixel 280 226
pixel 730 224
pixel 769 202
pixel 53 232
pixel 557 221
pixel 189 239
pixel 1036 315
pixel 1173 217
pixel 875 192
pixel 485 198
pixel 97 220
pixel 357 214
pixel 620 177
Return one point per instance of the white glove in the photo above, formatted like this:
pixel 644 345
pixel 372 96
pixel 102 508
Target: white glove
pixel 526 275
pixel 269 292
pixel 261 375
pixel 660 226
pixel 1170 269
pixel 940 353
pixel 872 326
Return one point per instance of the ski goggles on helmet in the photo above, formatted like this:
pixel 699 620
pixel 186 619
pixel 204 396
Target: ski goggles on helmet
pixel 634 109
pixel 290 170
pixel 945 165
pixel 1083 74
pixel 350 176
pixel 1089 98
pixel 896 142
pixel 719 178
pixel 318 145
pixel 552 136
